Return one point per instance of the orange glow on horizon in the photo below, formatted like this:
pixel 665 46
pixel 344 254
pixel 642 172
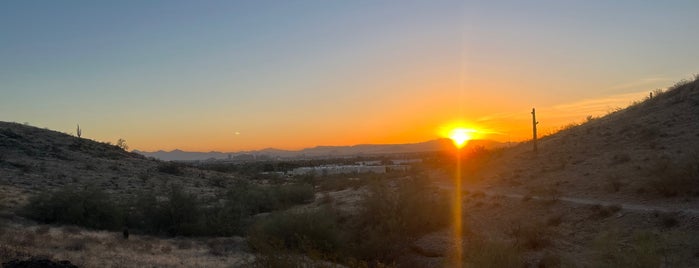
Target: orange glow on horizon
pixel 460 133
pixel 460 136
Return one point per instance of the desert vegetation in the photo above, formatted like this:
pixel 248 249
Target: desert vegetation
pixel 393 214
pixel 174 214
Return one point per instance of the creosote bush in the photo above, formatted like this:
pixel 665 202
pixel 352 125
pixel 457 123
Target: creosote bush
pixel 484 253
pixel 172 168
pixel 306 231
pixel 89 207
pixel 177 213
pixel 393 215
pixel 641 249
pixel 672 178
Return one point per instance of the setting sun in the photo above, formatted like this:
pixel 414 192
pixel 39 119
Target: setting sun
pixel 460 136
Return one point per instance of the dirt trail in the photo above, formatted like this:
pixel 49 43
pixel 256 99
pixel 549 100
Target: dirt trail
pixel 588 201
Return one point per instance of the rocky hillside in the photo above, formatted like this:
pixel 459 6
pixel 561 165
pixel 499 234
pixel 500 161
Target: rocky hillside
pixel 648 151
pixel 34 159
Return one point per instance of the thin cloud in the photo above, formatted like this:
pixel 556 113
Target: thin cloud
pixel 644 82
pixel 597 106
pixel 554 117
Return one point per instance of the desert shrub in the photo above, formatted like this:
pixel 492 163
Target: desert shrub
pixel 306 232
pixel 620 158
pixel 615 183
pixel 180 214
pixel 183 244
pixel 531 236
pixel 280 258
pixel 257 199
pixel 555 220
pixel 392 216
pixel 671 178
pixel 602 212
pixel 224 220
pixel 340 183
pixel 482 253
pixel 42 230
pixel 669 220
pixel 70 230
pixel 89 207
pixel 141 210
pixel 642 249
pixel 243 200
pixel 76 244
pixel 550 260
pixel 172 168
pixel 294 194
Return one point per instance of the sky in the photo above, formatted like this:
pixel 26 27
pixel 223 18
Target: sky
pixel 245 75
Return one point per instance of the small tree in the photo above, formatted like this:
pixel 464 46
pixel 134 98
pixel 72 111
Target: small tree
pixel 121 143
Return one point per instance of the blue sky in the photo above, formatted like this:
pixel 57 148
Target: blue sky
pixel 292 74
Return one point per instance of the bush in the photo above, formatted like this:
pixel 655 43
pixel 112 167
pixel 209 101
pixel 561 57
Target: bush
pixel 531 236
pixel 172 168
pixel 180 214
pixel 253 199
pixel 393 216
pixel 643 249
pixel 89 207
pixel 481 253
pixel 294 194
pixel 670 178
pixel 306 232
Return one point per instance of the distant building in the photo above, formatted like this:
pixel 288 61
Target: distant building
pixel 369 163
pixel 336 169
pixel 349 169
pixel 406 161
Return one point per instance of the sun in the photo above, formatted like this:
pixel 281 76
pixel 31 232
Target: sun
pixel 460 136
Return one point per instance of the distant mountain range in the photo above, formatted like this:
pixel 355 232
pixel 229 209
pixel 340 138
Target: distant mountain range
pixel 316 152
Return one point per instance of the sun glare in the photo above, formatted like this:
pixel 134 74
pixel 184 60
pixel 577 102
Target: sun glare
pixel 460 136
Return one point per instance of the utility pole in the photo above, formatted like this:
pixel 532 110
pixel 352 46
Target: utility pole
pixel 534 123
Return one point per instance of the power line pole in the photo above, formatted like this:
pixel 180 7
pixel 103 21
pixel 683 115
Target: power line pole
pixel 534 123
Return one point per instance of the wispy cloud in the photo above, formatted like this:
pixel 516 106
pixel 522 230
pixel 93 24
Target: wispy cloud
pixel 554 117
pixel 598 105
pixel 641 83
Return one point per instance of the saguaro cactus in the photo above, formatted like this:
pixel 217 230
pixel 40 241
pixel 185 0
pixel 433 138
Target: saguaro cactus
pixel 79 132
pixel 534 123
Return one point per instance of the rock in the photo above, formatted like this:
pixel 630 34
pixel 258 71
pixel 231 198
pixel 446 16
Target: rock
pixel 433 245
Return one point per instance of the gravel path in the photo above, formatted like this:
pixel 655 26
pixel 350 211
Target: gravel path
pixel 588 201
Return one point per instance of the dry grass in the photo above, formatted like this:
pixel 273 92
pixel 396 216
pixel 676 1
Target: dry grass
pixel 108 249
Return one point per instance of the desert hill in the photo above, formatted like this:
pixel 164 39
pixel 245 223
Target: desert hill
pixel 34 159
pixel 648 150
pixel 621 190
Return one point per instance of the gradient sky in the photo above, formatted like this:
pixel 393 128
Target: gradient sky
pixel 240 75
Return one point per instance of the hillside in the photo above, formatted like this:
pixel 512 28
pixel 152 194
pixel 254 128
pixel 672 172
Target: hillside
pixel 649 150
pixel 34 159
pixel 617 191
